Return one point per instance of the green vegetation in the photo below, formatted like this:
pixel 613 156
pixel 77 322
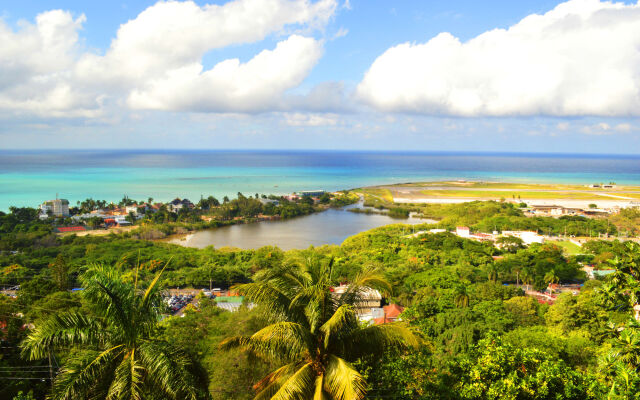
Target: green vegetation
pixel 315 334
pixel 473 332
pixel 116 353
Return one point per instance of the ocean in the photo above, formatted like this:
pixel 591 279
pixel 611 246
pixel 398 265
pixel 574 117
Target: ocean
pixel 27 178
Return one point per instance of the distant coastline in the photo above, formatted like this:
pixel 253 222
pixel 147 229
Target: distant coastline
pixel 29 177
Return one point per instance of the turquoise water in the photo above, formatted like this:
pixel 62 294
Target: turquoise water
pixel 27 178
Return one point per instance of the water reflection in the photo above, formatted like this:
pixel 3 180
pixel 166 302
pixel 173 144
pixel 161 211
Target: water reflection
pixel 328 227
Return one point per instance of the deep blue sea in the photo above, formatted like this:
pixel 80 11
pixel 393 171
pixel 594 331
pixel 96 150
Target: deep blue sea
pixel 27 178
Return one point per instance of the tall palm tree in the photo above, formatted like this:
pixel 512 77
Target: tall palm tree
pixel 550 278
pixel 116 354
pixel 315 333
pixel 461 299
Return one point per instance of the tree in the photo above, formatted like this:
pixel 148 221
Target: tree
pixel 550 278
pixel 315 334
pixel 502 371
pixel 131 217
pixel 60 272
pixel 116 352
pixel 462 298
pixel 510 243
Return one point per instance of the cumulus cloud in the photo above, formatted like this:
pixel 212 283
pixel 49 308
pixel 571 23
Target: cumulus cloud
pixel 155 59
pixel 604 128
pixel 35 64
pixel 581 58
pixel 231 85
pixel 173 35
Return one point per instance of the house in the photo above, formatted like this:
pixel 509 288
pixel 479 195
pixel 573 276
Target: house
pixel 131 209
pixel 369 299
pixel 269 201
pixel 463 231
pixel 391 313
pixel 176 204
pixel 550 210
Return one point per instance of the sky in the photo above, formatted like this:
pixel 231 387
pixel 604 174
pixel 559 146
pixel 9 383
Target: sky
pixel 503 76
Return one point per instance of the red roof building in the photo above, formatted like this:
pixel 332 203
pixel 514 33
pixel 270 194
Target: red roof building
pixel 391 314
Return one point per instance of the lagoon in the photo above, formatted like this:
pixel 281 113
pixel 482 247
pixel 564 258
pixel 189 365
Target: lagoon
pixel 332 226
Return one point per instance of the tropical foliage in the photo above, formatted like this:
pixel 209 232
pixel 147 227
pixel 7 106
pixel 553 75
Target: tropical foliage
pixel 315 332
pixel 116 352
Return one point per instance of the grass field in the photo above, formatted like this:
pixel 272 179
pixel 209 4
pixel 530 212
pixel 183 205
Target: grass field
pixel 570 248
pixel 489 194
pixel 379 194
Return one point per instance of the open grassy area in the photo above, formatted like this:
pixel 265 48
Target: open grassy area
pixel 379 194
pixel 490 194
pixel 569 248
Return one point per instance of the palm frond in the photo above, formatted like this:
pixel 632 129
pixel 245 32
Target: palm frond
pixel 272 299
pixel 342 322
pixel 173 371
pixel 83 376
pixel 152 286
pixel 61 330
pixel 128 380
pixel 299 386
pixel 108 295
pixel 342 381
pixel 282 340
pixel 319 392
pixel 362 285
pixel 270 384
pixel 376 339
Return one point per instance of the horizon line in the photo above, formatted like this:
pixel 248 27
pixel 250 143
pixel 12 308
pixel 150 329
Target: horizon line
pixel 452 152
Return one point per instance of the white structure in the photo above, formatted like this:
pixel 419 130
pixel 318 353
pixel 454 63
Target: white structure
pixel 57 208
pixel 527 237
pixel 463 231
pixel 131 209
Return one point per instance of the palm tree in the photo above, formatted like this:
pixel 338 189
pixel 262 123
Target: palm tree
pixel 315 333
pixel 462 298
pixel 551 277
pixel 526 279
pixel 116 352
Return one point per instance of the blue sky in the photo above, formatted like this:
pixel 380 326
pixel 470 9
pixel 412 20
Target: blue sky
pixel 541 76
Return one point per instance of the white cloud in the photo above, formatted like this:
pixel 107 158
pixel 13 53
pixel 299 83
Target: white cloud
pixel 34 67
pixel 302 119
pixel 156 58
pixel 581 58
pixel 624 127
pixel 342 32
pixel 173 35
pixel 231 85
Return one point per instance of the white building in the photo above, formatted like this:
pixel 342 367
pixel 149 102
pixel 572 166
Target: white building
pixel 463 231
pixel 527 237
pixel 57 208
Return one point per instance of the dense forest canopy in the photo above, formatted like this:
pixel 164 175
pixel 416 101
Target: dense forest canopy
pixel 481 336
